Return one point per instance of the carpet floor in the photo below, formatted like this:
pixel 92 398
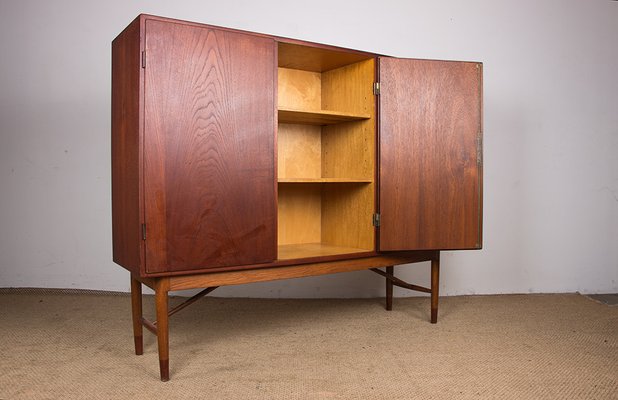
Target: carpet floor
pixel 79 345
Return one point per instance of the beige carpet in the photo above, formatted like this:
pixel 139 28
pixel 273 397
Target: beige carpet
pixel 76 345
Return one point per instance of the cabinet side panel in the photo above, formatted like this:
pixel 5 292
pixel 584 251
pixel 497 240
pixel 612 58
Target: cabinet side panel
pixel 125 148
pixel 209 148
pixel 430 166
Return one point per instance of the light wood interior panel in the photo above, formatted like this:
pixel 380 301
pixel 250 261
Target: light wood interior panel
pixel 323 180
pixel 307 250
pixel 319 117
pixel 326 173
pixel 349 88
pixel 316 59
pixel 300 210
pixel 347 215
pixel 348 149
pixel 299 151
pixel 299 90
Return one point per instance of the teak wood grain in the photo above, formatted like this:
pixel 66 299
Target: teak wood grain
pixel 126 155
pixel 209 148
pixel 430 180
pixel 293 271
pixel 215 161
pixel 180 191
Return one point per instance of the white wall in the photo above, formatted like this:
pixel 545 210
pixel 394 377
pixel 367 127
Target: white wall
pixel 551 134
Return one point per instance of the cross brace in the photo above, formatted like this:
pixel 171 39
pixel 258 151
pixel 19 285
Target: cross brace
pixel 152 326
pixel 400 283
pixel 391 281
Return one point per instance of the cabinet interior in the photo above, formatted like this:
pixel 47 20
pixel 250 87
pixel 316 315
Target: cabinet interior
pixel 325 152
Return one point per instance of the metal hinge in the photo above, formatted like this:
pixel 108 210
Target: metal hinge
pixel 376 219
pixel 479 149
pixel 143 231
pixel 376 88
pixel 144 59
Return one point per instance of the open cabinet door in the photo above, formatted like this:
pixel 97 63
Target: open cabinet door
pixel 209 129
pixel 430 156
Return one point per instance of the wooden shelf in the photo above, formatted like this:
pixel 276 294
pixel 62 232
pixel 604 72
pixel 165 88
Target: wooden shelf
pixel 323 180
pixel 318 117
pixel 317 59
pixel 308 250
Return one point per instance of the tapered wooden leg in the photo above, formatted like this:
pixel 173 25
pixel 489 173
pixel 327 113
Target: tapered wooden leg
pixel 435 283
pixel 136 308
pixel 389 289
pixel 162 332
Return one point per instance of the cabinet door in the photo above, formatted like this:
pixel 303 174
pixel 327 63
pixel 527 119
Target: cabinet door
pixel 209 126
pixel 430 154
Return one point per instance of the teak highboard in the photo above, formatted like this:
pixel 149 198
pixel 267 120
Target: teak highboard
pixel 240 157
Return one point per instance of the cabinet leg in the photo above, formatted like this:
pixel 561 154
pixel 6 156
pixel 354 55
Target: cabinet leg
pixel 389 289
pixel 162 332
pixel 136 308
pixel 435 283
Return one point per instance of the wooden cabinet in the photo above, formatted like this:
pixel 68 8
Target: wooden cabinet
pixel 240 157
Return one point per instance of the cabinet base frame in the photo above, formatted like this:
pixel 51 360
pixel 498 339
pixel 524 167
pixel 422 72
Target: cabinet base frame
pixel 391 281
pixel 211 281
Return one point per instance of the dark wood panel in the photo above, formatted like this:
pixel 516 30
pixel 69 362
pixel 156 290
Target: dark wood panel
pixel 126 204
pixel 430 180
pixel 209 148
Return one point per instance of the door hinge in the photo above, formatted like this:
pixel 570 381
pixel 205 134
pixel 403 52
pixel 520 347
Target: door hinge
pixel 144 59
pixel 376 219
pixel 479 149
pixel 143 231
pixel 376 88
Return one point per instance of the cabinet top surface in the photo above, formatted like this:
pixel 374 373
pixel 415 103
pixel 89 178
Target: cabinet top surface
pixel 143 17
pixel 288 47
